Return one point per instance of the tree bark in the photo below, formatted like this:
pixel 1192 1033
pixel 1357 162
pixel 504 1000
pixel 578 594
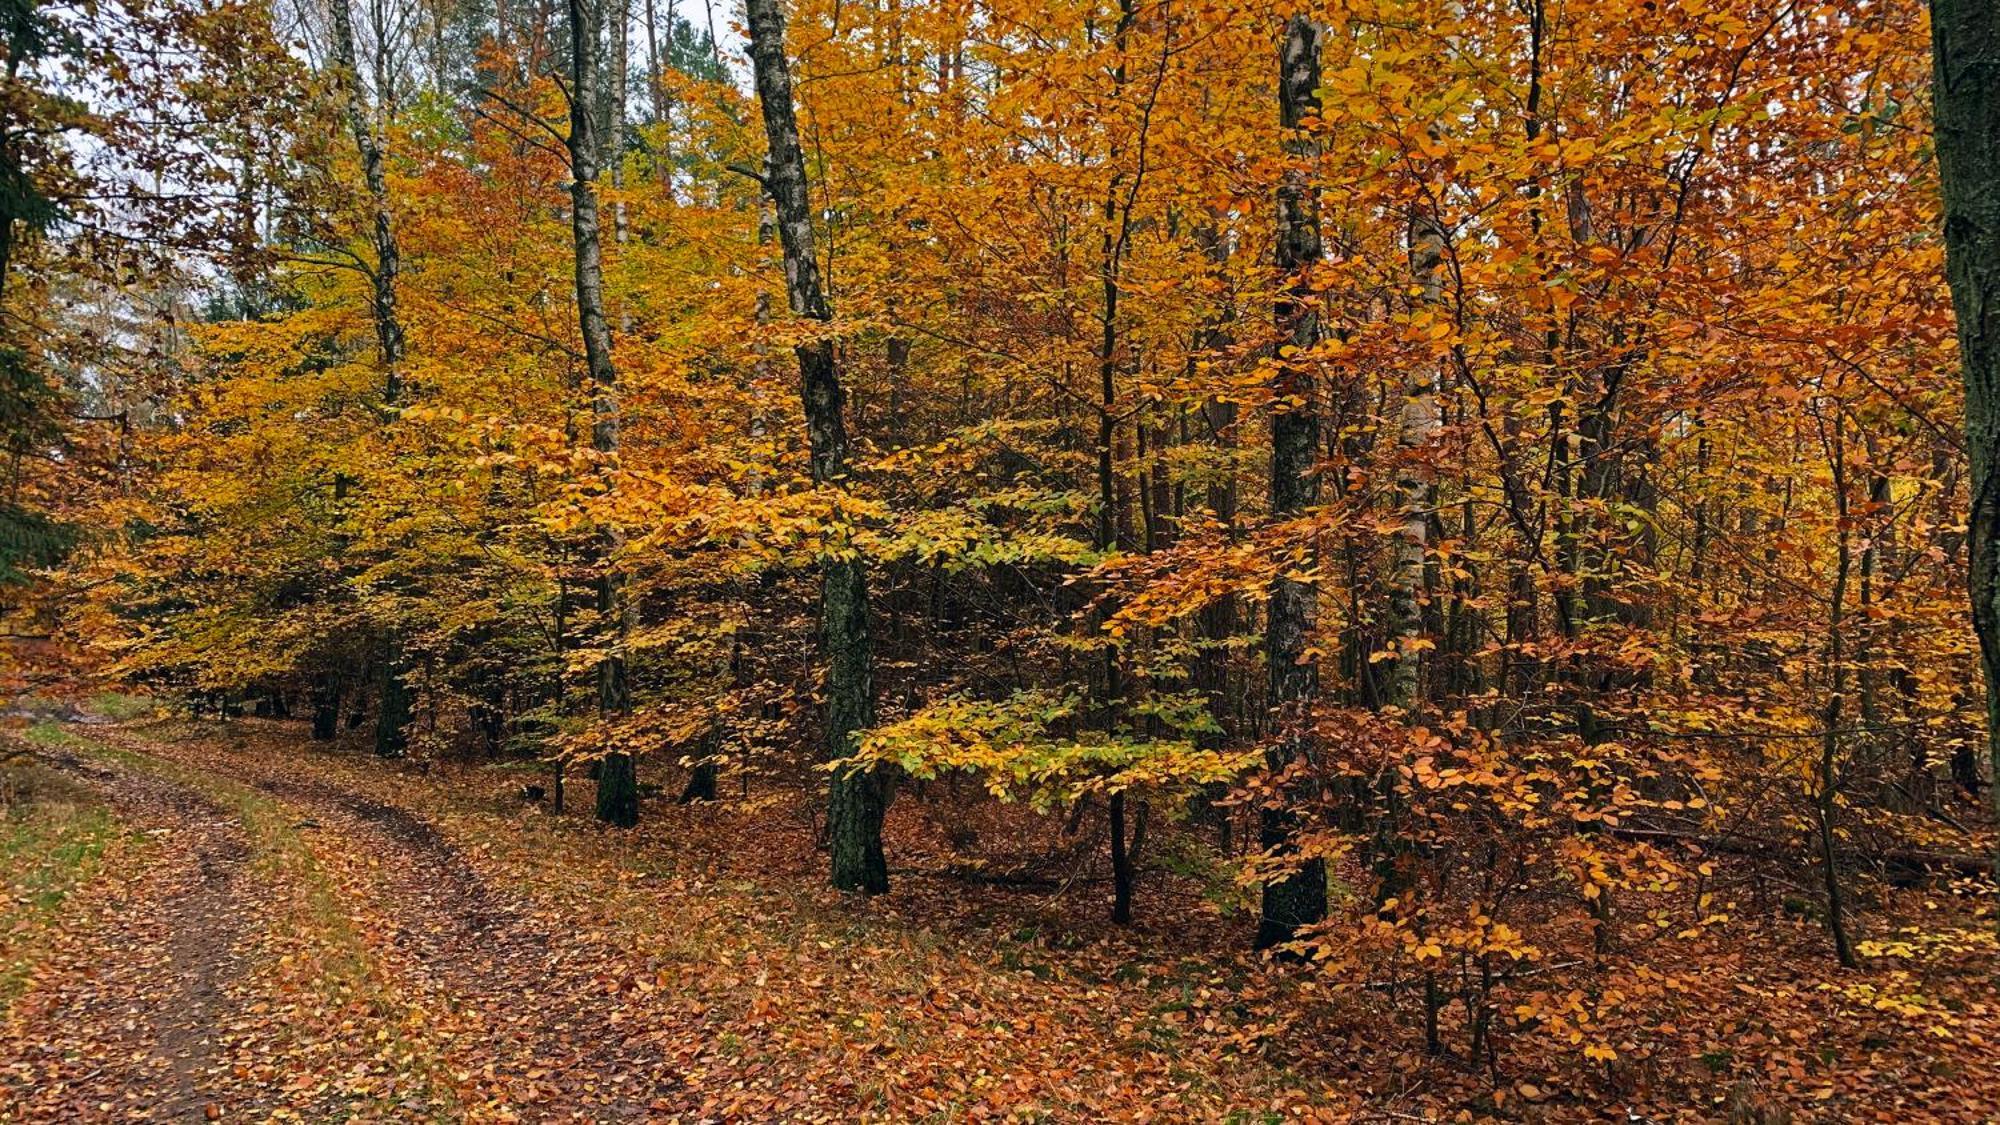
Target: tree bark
pixel 705 773
pixel 388 327
pixel 1110 260
pixel 858 799
pixel 1298 899
pixel 1219 620
pixel 1966 73
pixel 393 709
pixel 389 342
pixel 326 692
pixel 617 782
pixel 1826 802
pixel 614 127
pixel 1417 428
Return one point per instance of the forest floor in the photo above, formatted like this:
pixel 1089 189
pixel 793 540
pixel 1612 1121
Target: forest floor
pixel 208 921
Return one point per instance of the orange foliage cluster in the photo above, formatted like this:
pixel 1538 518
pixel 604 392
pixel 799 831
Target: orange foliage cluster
pixel 1637 546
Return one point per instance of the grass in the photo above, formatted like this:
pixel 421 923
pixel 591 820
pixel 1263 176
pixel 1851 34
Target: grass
pixel 122 708
pixel 329 951
pixel 54 836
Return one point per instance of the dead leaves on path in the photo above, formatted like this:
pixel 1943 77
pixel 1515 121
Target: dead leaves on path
pixel 423 947
pixel 720 988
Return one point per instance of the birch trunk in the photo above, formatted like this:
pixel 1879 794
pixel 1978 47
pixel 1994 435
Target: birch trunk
pixel 1416 430
pixel 614 127
pixel 393 712
pixel 388 263
pixel 617 783
pixel 858 798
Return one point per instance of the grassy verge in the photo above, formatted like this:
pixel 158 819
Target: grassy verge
pixel 309 940
pixel 123 708
pixel 54 836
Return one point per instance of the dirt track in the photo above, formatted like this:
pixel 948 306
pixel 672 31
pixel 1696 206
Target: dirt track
pixel 137 1034
pixel 521 1027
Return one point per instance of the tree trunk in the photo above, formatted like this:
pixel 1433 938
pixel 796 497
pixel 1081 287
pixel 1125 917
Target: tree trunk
pixel 1298 899
pixel 1417 428
pixel 1826 801
pixel 389 344
pixel 702 778
pixel 1966 40
pixel 617 782
pixel 392 710
pixel 388 328
pixel 614 126
pixel 1218 621
pixel 1121 864
pixel 858 799
pixel 326 693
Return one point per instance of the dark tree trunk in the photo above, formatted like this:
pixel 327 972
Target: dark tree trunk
pixel 1111 256
pixel 701 783
pixel 392 710
pixel 326 693
pixel 1121 864
pixel 702 778
pixel 1299 899
pixel 1826 804
pixel 1966 38
pixel 617 779
pixel 858 799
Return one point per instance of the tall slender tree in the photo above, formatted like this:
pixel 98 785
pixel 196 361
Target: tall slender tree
pixel 392 715
pixel 858 798
pixel 1416 428
pixel 1299 898
pixel 1965 38
pixel 617 783
pixel 1116 235
pixel 615 95
pixel 361 122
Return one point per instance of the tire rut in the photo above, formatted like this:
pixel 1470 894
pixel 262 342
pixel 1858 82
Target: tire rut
pixel 136 1033
pixel 538 1029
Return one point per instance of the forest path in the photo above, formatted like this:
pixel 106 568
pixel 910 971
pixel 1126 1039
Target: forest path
pixel 268 944
pixel 406 942
pixel 139 1033
pixel 513 1010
